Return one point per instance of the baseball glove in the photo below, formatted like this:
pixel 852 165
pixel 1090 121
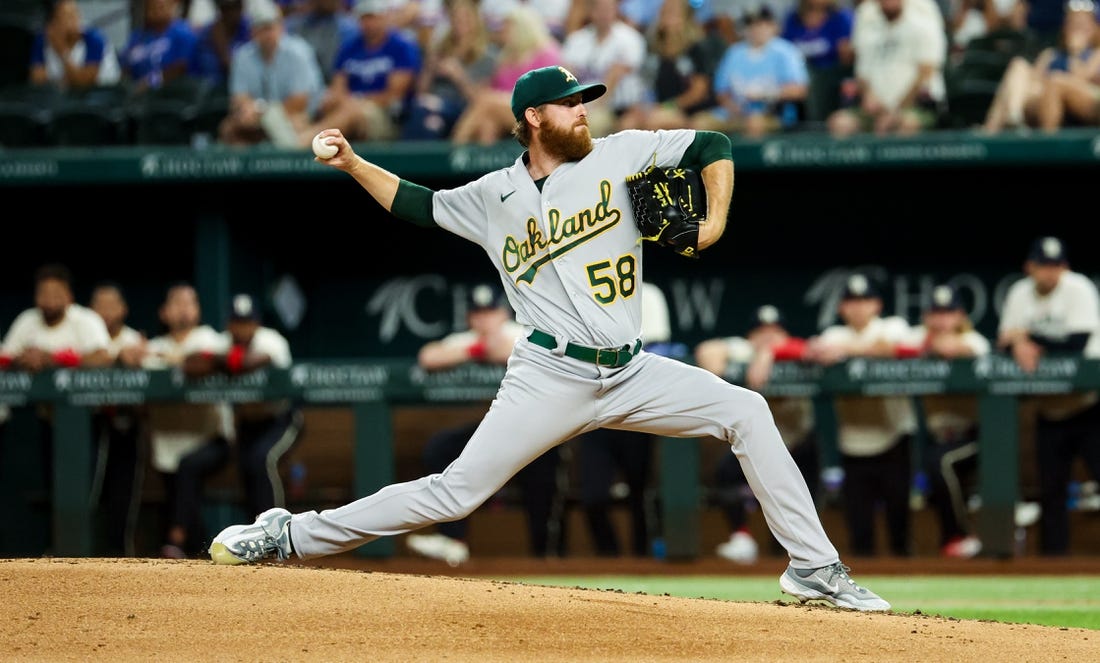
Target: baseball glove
pixel 669 204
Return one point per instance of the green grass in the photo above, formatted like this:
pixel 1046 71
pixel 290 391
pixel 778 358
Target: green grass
pixel 1071 601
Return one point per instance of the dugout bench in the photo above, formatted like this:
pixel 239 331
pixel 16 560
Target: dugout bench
pixel 370 388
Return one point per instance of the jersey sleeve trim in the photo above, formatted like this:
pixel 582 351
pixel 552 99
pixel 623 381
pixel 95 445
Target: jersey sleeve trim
pixel 413 203
pixel 705 149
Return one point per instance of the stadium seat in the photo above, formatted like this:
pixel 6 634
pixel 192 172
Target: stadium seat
pixel 16 38
pixel 91 117
pixel 212 109
pixel 26 111
pixel 165 115
pixel 1004 42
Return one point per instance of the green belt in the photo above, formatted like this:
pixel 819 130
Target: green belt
pixel 610 357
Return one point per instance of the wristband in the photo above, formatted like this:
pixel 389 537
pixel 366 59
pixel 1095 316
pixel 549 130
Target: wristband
pixel 234 359
pixel 906 352
pixel 791 349
pixel 68 358
pixel 5 361
pixel 477 351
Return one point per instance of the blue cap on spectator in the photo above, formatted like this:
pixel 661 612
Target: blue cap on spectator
pixel 860 286
pixel 244 309
pixel 1048 251
pixel 945 298
pixel 767 315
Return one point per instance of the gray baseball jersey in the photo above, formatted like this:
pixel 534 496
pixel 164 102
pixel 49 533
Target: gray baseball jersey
pixel 570 258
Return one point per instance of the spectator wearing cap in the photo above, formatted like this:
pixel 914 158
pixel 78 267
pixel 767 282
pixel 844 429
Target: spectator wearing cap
pixel 488 339
pixel 761 82
pixel 265 431
pixel 900 52
pixel 951 420
pixel 275 83
pixel 1055 311
pixel 874 433
pixel 373 79
pixel 766 342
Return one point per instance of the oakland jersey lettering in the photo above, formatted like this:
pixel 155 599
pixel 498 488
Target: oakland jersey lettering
pixel 536 250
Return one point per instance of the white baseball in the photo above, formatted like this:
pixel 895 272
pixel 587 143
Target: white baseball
pixel 322 148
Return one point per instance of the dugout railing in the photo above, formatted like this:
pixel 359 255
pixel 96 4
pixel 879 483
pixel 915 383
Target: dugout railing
pixel 372 388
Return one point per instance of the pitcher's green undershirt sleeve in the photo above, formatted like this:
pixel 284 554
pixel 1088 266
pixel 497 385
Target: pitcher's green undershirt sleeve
pixel 413 203
pixel 708 147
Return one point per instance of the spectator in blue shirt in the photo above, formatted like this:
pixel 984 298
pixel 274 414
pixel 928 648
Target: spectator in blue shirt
pixel 160 51
pixel 759 83
pixel 373 79
pixel 822 30
pixel 70 55
pixel 217 40
pixel 274 82
pixel 326 25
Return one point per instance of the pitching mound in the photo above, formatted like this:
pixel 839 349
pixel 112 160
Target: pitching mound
pixel 159 610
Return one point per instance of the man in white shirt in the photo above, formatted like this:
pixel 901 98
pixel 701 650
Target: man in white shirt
pixel 180 433
pixel 1055 311
pixel 607 49
pixel 120 456
pixel 55 333
pixel 874 433
pixel 267 430
pixel 900 52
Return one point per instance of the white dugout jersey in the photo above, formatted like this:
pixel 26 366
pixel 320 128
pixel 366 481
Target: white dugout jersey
pixel 870 425
pixel 1072 307
pixel 81 330
pixel 179 428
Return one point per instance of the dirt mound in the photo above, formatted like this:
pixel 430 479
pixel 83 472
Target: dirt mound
pixel 145 609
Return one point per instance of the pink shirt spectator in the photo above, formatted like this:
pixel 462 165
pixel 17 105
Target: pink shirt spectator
pixel 509 72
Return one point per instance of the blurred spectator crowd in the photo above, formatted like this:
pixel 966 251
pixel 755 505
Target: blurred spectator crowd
pixel 245 72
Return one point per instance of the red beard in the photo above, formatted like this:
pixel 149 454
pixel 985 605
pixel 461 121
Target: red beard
pixel 566 142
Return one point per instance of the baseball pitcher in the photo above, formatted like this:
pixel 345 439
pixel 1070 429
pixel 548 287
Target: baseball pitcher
pixel 561 227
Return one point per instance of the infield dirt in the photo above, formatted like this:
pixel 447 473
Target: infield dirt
pixel 117 610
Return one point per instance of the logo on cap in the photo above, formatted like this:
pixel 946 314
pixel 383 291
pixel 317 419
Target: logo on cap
pixel 942 296
pixel 858 285
pixel 568 75
pixel 1052 248
pixel 767 315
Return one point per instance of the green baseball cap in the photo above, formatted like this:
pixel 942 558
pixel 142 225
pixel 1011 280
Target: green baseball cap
pixel 539 86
